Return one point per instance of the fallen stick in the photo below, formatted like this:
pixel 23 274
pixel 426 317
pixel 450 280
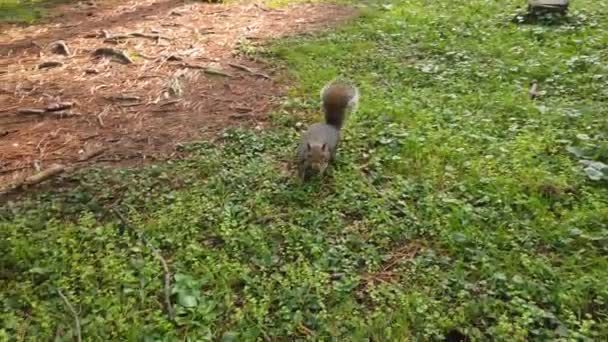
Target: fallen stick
pixel 123 98
pixel 216 72
pixel 117 38
pixel 31 111
pixel 49 64
pixel 14 169
pixel 55 107
pixel 206 69
pixel 249 70
pixel 163 262
pixel 117 54
pixel 76 319
pixel 40 177
pixel 60 47
pixel 91 154
pixel 44 175
pixel 168 103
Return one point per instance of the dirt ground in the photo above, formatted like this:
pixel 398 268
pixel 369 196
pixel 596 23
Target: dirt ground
pixel 180 78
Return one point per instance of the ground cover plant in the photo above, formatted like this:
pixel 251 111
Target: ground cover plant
pixel 28 11
pixel 459 208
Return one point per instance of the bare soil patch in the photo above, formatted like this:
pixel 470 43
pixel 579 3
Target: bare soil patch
pixel 178 80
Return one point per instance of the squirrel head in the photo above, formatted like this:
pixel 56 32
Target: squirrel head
pixel 318 156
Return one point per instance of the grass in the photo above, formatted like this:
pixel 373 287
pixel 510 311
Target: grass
pixel 458 207
pixel 25 11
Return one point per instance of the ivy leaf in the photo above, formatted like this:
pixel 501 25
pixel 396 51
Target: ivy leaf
pixel 594 174
pixel 186 300
pixel 575 151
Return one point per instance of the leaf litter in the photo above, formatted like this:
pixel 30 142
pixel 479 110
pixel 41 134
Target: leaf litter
pixel 181 69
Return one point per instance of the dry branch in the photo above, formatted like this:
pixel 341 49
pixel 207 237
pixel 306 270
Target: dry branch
pixel 123 98
pixel 76 319
pixel 206 69
pixel 115 53
pixel 163 262
pixel 120 37
pixel 40 177
pixel 92 154
pixel 60 47
pixel 216 72
pixel 249 70
pixel 49 64
pixel 55 107
pixel 31 111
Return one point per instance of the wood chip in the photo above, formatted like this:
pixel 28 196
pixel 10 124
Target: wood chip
pixel 91 154
pixel 55 107
pixel 119 55
pixel 249 70
pixel 31 111
pixel 123 98
pixel 49 64
pixel 60 47
pixel 217 72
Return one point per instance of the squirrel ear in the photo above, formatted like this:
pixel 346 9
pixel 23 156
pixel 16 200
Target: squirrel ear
pixel 324 147
pixel 308 146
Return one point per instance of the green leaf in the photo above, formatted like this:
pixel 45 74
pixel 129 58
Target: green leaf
pixel 575 151
pixel 187 301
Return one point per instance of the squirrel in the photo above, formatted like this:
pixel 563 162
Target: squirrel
pixel 319 143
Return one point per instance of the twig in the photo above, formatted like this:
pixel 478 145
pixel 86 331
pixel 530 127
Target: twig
pixel 533 91
pixel 116 38
pixel 163 262
pixel 76 319
pixel 34 179
pixel 109 52
pixel 60 47
pixel 134 104
pixel 216 72
pixel 44 175
pixel 55 107
pixel 92 154
pixel 49 64
pixel 168 103
pixel 31 111
pixel 58 109
pixel 207 70
pixel 123 98
pixel 249 70
pixel 193 66
pixel 14 169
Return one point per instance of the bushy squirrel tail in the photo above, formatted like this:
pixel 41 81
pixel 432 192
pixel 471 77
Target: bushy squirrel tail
pixel 339 97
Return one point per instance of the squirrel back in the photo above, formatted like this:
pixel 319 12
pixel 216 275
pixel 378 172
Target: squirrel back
pixel 338 97
pixel 319 143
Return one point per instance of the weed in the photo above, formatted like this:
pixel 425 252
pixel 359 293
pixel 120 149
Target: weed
pixel 458 208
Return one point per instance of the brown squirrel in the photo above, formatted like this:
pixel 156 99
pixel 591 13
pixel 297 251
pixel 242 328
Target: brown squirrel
pixel 319 143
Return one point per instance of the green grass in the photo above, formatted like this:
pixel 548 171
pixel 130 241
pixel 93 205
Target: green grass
pixel 455 204
pixel 25 11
